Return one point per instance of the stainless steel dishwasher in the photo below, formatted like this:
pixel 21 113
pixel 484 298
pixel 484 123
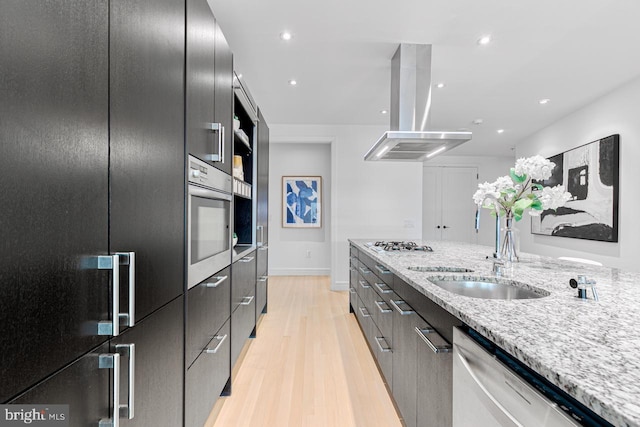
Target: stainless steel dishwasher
pixel 488 393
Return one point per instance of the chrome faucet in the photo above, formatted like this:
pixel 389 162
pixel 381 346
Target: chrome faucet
pixel 582 284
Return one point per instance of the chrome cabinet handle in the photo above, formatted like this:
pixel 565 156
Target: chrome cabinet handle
pixel 217 347
pixel 217 127
pixel 263 278
pixel 494 406
pixel 263 247
pixel 352 268
pixel 128 350
pixel 422 333
pixel 217 283
pixel 247 300
pixel 246 259
pixel 382 270
pixel 386 348
pixel 261 230
pixel 108 262
pixel 383 307
pixel 364 270
pixel 364 284
pixel 352 290
pixel 129 258
pixel 379 287
pixel 112 361
pixel 401 311
pixel 364 312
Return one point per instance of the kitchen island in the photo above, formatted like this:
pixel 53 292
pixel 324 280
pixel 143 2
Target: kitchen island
pixel 589 349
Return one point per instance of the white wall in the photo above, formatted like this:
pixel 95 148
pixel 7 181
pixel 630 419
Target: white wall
pixel 370 199
pixel 489 169
pixel 617 112
pixel 299 251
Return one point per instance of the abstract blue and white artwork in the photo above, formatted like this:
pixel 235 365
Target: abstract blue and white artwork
pixel 302 201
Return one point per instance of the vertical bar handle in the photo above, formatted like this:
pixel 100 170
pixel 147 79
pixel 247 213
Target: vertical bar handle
pixel 129 258
pixel 217 127
pixel 128 350
pixel 261 231
pixel 115 302
pixel 221 143
pixel 220 340
pixel 112 361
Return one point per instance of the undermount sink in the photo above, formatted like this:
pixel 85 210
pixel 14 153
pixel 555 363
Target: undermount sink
pixel 487 289
pixel 440 269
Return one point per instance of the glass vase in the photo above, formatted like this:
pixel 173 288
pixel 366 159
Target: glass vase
pixel 510 241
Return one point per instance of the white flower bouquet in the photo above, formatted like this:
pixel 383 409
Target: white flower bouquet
pixel 511 195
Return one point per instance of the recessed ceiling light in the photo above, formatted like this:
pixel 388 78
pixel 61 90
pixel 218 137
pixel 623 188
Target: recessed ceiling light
pixel 484 40
pixel 383 111
pixel 286 35
pixel 500 130
pixel 293 82
pixel 440 85
pixel 544 101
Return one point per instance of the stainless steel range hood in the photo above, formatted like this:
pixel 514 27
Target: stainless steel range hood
pixel 410 137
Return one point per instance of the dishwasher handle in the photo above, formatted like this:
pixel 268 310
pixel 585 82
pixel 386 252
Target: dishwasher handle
pixel 491 403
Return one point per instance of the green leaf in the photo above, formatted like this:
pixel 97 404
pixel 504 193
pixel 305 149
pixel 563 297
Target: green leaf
pixel 510 190
pixel 521 204
pixel 518 179
pixel 517 216
pixel 537 205
pixel 537 186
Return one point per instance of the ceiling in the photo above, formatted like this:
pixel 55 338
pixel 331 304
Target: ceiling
pixel 569 51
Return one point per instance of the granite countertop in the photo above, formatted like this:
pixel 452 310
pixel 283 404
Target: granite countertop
pixel 590 349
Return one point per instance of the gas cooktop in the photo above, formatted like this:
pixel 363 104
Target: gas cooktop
pixel 400 246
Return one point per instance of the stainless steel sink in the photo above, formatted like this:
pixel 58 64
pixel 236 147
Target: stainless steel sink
pixel 442 269
pixel 487 289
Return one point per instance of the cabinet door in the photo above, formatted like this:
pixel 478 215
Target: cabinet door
pixel 158 366
pixel 223 100
pixel 262 256
pixel 147 147
pixel 405 341
pixel 243 322
pixel 434 380
pixel 202 138
pixel 243 279
pixel 83 385
pixel 263 181
pixel 54 185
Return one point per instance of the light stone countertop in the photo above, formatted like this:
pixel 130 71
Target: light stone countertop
pixel 589 349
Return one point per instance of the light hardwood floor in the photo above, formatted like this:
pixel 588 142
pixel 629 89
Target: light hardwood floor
pixel 308 366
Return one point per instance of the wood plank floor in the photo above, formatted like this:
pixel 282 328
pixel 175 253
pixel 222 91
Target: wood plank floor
pixel 308 366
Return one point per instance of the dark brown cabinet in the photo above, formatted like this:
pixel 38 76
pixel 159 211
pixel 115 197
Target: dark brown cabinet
pixel 262 217
pixel 243 304
pixel 209 88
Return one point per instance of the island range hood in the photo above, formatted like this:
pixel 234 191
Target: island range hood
pixel 410 138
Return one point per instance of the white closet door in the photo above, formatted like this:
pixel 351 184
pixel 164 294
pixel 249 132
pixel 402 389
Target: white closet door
pixel 448 209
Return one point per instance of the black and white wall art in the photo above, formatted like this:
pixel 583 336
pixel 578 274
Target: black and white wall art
pixel 591 174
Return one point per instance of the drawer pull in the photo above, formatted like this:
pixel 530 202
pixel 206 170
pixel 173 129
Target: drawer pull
pixel 382 288
pixel 383 307
pixel 364 312
pixel 364 284
pixel 352 290
pixel 246 259
pixel 382 269
pixel 401 311
pixel 219 280
pixel 247 300
pixel 217 347
pixel 385 348
pixel 422 333
pixel 364 270
pixel 263 278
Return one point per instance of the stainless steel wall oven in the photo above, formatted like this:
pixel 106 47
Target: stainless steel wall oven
pixel 208 221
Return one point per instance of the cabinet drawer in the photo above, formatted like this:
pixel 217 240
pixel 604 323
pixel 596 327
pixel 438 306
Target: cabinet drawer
pixel 208 307
pixel 383 318
pixel 207 377
pixel 243 320
pixel 262 258
pixel 243 284
pixel 353 251
pixel 381 347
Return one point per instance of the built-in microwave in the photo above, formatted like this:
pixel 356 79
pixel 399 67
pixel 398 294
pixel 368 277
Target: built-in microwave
pixel 208 221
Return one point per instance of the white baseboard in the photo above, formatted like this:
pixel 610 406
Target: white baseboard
pixel 340 286
pixel 299 272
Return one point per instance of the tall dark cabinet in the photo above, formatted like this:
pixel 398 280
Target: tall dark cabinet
pixel 209 85
pixel 262 220
pixel 54 156
pixel 95 107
